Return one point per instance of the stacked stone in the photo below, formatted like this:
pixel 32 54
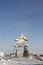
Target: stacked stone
pixel 21 41
pixel 26 53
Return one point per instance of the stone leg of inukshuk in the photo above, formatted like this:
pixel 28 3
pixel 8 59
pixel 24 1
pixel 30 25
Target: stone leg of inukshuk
pixel 18 51
pixel 25 52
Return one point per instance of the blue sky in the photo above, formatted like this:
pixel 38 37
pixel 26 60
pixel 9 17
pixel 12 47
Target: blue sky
pixel 21 16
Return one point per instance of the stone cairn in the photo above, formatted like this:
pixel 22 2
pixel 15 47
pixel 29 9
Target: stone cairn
pixel 21 41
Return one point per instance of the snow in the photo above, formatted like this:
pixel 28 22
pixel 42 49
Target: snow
pixel 20 61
